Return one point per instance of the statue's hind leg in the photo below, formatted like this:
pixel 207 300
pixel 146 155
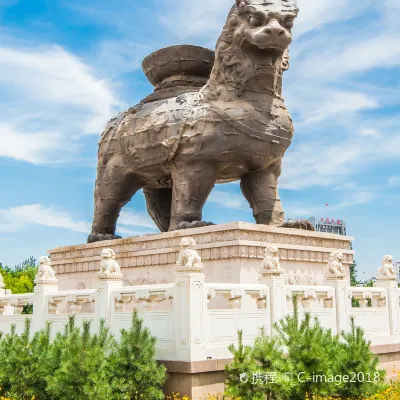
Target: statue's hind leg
pixel 159 206
pixel 261 190
pixel 115 187
pixel 193 183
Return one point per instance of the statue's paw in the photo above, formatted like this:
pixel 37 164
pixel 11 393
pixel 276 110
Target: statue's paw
pixel 193 224
pixel 99 237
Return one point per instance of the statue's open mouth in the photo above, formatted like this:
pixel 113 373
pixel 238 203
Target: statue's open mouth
pixel 265 56
pixel 262 50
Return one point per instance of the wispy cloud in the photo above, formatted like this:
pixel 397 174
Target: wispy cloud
pixel 16 218
pixel 132 218
pixel 305 210
pixel 48 97
pixel 228 200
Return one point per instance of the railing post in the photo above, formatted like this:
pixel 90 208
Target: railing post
pixel 190 304
pixel 272 275
pixel 109 278
pixel 336 277
pixel 45 283
pixel 387 279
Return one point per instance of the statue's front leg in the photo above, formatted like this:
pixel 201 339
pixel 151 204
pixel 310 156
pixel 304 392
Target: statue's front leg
pixel 193 183
pixel 261 191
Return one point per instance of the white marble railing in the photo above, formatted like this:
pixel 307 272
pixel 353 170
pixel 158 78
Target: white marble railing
pixel 194 320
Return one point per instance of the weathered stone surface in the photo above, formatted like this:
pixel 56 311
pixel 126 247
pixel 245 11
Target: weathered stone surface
pixel 178 142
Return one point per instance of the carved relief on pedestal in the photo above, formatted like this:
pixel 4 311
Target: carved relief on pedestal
pixel 260 239
pixel 387 272
pixel 301 279
pixel 45 274
pixel 109 268
pixel 335 269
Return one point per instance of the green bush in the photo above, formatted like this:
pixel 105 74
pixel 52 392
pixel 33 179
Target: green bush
pixel 80 365
pixel 312 353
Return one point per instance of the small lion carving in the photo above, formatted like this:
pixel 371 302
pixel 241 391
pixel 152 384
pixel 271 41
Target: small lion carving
pixel 335 266
pixel 188 255
pixel 271 260
pixel 108 264
pixel 271 264
pixel 386 270
pixel 45 272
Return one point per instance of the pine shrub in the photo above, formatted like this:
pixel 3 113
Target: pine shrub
pixel 315 360
pixel 25 363
pixel 136 373
pixel 80 365
pixel 81 361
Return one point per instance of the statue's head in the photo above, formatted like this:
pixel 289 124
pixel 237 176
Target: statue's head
pixel 272 251
pixel 188 243
pixel 255 41
pixel 108 254
pixel 387 259
pixel 337 256
pixel 44 261
pixel 265 26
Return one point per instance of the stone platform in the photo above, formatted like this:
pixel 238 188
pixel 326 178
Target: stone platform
pixel 231 252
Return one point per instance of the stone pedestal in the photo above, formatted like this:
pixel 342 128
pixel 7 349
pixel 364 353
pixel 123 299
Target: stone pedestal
pixel 232 253
pixel 42 289
pixel 392 302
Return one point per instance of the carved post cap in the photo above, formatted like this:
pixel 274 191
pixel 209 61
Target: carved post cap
pixel 335 270
pixel 109 267
pixel 45 274
pixel 387 271
pixel 189 259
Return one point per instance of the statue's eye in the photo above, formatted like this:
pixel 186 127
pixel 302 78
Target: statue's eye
pixel 255 21
pixel 289 23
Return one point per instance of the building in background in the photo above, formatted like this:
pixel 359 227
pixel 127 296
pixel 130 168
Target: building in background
pixel 329 225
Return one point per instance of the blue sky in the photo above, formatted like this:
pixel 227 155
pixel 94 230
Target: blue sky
pixel 67 66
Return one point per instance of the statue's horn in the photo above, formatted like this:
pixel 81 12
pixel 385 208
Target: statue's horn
pixel 242 3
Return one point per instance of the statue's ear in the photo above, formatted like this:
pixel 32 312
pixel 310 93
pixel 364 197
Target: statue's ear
pixel 241 4
pixel 285 60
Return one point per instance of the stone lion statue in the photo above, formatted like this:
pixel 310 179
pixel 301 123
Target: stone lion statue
pixel 108 264
pixel 188 256
pixel 45 272
pixel 335 266
pixel 387 270
pixel 213 118
pixel 271 260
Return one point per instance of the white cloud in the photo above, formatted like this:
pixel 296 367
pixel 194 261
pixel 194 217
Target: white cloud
pixel 16 218
pixel 314 14
pixel 306 210
pixel 132 218
pixel 48 97
pixel 228 200
pixel 36 148
pixel 394 181
pixel 365 131
pixel 196 19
